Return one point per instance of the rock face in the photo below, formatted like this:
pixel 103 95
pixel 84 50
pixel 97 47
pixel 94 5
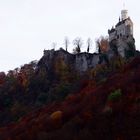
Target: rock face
pixel 84 61
pixel 122 46
pixel 81 62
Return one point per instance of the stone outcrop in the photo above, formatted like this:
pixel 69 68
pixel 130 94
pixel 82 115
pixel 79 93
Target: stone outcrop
pixel 122 46
pixel 79 62
pixel 85 61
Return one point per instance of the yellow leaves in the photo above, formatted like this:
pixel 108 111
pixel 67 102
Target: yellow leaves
pixel 98 69
pixel 117 63
pixel 60 65
pixel 56 115
pixel 92 73
pixel 56 119
pixel 62 69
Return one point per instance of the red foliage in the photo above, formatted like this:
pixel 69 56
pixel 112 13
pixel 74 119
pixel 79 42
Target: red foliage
pixel 2 78
pixel 86 111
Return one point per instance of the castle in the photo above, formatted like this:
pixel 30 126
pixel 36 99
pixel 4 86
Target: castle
pixel 121 38
pixel 121 43
pixel 123 29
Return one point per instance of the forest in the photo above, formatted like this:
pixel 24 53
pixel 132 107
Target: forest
pixel 41 104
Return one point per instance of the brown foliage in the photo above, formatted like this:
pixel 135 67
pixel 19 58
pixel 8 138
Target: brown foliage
pixel 102 44
pixel 88 113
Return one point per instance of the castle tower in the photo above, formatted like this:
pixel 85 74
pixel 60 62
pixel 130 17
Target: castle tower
pixel 123 29
pixel 124 14
pixel 122 34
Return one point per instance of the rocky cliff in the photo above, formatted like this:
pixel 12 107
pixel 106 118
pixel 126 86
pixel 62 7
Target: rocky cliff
pixel 81 62
pixel 125 47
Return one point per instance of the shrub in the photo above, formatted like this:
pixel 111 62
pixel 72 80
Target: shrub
pixel 115 96
pixel 131 51
pixel 61 91
pixel 107 110
pixel 56 119
pixel 56 115
pixel 41 99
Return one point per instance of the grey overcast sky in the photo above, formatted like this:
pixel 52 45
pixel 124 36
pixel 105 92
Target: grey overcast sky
pixel 27 27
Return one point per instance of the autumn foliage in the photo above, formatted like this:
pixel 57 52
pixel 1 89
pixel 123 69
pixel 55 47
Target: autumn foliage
pixel 84 108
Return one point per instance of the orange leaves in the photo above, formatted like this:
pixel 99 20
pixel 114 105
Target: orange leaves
pixel 55 120
pixel 56 116
pixel 102 44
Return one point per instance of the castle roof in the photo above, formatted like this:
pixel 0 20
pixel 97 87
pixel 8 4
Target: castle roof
pixel 122 22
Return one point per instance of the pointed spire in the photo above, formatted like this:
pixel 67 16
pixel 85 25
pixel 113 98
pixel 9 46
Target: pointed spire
pixel 123 5
pixel 119 19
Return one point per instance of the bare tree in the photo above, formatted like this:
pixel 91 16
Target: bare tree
pixel 98 45
pixel 66 42
pixel 89 44
pixel 78 43
pixel 54 45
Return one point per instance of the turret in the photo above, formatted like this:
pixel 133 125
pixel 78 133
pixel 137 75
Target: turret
pixel 124 14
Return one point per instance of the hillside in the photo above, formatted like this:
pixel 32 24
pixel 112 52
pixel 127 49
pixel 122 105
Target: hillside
pixel 103 103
